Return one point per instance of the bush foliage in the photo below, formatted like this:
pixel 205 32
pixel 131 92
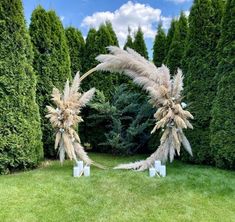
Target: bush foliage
pixel 76 46
pixel 51 63
pixel 199 74
pixel 223 114
pixel 20 132
pixel 121 125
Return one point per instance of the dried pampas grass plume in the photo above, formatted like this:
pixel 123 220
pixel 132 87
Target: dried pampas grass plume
pixel 165 95
pixel 65 118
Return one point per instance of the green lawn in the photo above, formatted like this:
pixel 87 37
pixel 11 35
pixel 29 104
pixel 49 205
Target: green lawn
pixel 50 193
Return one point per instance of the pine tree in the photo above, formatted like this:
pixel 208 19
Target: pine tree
pixel 51 62
pixel 169 36
pixel 112 33
pixel 20 132
pixel 159 46
pixel 177 47
pixel 76 46
pixel 139 43
pixel 199 74
pixel 223 115
pixel 129 41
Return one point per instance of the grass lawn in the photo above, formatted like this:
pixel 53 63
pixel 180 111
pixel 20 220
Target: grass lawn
pixel 50 193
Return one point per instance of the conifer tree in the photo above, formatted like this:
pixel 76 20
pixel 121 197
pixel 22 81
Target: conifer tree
pixel 223 115
pixel 169 36
pixel 76 46
pixel 218 9
pixel 177 47
pixel 112 33
pixel 20 132
pixel 139 43
pixel 102 80
pixel 96 44
pixel 159 46
pixel 51 62
pixel 90 51
pixel 129 41
pixel 199 74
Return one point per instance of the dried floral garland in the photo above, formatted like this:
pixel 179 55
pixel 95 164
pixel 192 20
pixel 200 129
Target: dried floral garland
pixel 165 96
pixel 65 119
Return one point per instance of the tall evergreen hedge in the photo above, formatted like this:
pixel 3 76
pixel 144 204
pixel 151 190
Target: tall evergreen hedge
pixel 139 43
pixel 96 44
pixel 177 47
pixel 76 46
pixel 159 47
pixel 223 112
pixel 90 50
pixel 169 36
pixel 51 62
pixel 112 33
pixel 199 74
pixel 20 132
pixel 129 41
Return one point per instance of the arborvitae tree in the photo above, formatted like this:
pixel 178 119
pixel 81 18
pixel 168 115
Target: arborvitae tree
pixel 129 41
pixel 102 80
pixel 20 132
pixel 89 52
pixel 177 47
pixel 159 46
pixel 139 43
pixel 52 63
pixel 223 114
pixel 112 33
pixel 96 44
pixel 76 46
pixel 218 9
pixel 170 35
pixel 199 74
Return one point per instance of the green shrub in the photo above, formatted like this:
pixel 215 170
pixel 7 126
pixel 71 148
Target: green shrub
pixel 20 132
pixel 121 125
pixel 177 47
pixel 139 43
pixel 223 110
pixel 159 47
pixel 52 65
pixel 96 44
pixel 76 46
pixel 200 89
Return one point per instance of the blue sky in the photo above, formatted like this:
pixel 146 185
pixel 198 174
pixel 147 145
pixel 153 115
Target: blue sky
pixel 84 14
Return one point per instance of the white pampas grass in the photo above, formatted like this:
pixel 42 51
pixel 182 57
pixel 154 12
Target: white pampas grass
pixel 86 97
pixel 165 95
pixel 65 119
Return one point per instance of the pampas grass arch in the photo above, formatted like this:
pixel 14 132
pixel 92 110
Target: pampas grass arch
pixel 165 93
pixel 165 96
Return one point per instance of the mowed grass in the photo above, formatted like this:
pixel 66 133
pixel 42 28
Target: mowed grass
pixel 50 193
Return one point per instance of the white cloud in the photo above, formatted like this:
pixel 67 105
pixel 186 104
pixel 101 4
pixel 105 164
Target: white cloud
pixel 187 13
pixel 62 18
pixel 132 15
pixel 178 1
